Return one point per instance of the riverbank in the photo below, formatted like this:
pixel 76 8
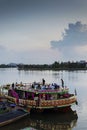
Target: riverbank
pixel 70 66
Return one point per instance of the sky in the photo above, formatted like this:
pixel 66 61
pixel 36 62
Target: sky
pixel 43 31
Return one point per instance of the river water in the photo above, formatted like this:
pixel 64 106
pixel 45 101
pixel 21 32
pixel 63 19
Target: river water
pixel 72 79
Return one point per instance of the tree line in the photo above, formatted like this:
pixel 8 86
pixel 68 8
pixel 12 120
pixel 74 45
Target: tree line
pixel 55 66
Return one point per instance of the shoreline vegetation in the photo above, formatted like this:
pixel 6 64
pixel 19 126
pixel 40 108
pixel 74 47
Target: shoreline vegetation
pixel 71 66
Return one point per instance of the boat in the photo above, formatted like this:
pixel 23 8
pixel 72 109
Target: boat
pixel 40 97
pixel 12 116
pixel 50 121
pixel 10 112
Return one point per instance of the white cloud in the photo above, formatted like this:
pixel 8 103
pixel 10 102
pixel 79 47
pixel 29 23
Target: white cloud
pixel 74 41
pixel 82 49
pixel 76 34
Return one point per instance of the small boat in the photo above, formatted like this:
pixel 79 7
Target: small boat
pixel 50 121
pixel 12 116
pixel 10 112
pixel 40 97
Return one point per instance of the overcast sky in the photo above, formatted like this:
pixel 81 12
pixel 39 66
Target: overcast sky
pixel 43 31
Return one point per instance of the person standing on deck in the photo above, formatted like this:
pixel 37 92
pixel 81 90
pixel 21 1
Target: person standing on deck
pixel 12 85
pixel 62 83
pixel 43 81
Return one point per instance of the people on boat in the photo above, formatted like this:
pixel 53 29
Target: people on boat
pixel 62 83
pixel 21 84
pixel 52 86
pixel 43 87
pixel 12 85
pixel 43 81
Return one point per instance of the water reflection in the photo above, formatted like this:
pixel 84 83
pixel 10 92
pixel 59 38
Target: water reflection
pixel 49 121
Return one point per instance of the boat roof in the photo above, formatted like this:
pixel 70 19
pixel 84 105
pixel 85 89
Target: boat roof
pixel 47 88
pixel 47 91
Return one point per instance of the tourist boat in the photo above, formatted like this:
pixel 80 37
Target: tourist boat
pixel 41 96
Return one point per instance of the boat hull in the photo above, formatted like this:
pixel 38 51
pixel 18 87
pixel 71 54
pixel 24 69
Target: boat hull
pixel 32 105
pixel 55 110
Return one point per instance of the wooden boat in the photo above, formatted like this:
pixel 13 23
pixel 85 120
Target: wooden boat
pixel 12 116
pixel 41 97
pixel 9 112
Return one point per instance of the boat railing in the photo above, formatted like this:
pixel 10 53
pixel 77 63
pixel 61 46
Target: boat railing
pixel 48 103
pixel 60 102
pixel 21 102
pixel 43 103
pixel 29 103
pixel 11 99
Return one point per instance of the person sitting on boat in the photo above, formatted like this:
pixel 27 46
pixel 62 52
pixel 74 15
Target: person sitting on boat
pixel 35 87
pixel 39 87
pixel 56 86
pixel 52 86
pixel 43 87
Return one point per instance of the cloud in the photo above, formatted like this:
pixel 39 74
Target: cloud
pixel 43 56
pixel 74 38
pixel 76 34
pixel 2 48
pixel 36 56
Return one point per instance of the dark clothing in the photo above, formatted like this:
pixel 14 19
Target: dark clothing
pixel 13 86
pixel 43 81
pixel 62 83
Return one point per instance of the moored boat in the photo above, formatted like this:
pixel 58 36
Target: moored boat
pixel 41 96
pixel 12 116
pixel 10 112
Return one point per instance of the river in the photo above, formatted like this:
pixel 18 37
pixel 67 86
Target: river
pixel 72 79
